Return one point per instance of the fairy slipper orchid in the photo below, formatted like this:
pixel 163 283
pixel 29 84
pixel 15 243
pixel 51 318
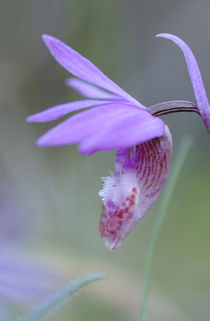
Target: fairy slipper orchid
pixel 114 121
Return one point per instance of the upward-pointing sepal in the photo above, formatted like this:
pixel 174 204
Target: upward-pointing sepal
pixel 195 76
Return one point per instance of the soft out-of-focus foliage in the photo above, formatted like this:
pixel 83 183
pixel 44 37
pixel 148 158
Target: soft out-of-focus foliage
pixel 25 280
pixel 48 197
pixel 59 298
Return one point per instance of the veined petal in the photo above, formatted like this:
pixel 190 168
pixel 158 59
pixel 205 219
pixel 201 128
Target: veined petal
pixel 58 111
pixel 196 78
pixel 87 90
pixel 82 68
pixel 88 123
pixel 130 130
pixel 140 176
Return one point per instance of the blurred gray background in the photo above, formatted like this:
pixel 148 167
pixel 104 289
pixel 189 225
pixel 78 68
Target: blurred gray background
pixel 49 204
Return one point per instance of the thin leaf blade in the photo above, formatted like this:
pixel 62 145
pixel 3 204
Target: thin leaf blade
pixel 59 298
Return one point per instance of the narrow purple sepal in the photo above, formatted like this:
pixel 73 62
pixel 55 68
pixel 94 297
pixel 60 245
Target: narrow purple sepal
pixel 58 111
pixel 82 68
pixel 195 76
pixel 90 91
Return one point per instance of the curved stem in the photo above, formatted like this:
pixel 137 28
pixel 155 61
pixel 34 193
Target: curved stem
pixel 184 149
pixel 173 106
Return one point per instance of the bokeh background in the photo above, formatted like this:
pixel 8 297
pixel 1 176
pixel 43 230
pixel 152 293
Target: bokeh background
pixel 49 206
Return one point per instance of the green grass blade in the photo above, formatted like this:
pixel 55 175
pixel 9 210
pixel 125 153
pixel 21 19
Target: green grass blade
pixel 60 298
pixel 183 151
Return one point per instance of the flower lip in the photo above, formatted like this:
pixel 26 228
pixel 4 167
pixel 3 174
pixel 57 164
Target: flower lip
pixel 139 178
pixel 195 77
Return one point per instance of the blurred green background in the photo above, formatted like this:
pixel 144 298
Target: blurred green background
pixel 49 204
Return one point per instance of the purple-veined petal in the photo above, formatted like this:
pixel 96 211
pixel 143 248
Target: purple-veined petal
pixel 58 111
pixel 195 76
pixel 82 68
pixel 130 130
pixel 87 123
pixel 90 91
pixel 140 176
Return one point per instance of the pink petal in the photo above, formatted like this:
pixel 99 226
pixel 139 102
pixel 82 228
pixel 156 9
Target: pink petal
pixel 58 111
pixel 88 123
pixel 196 78
pixel 82 67
pixel 130 130
pixel 139 179
pixel 88 90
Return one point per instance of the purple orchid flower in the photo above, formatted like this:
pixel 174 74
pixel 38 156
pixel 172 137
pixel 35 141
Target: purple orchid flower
pixel 117 121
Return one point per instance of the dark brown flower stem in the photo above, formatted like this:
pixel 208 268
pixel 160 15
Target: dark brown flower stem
pixel 174 106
